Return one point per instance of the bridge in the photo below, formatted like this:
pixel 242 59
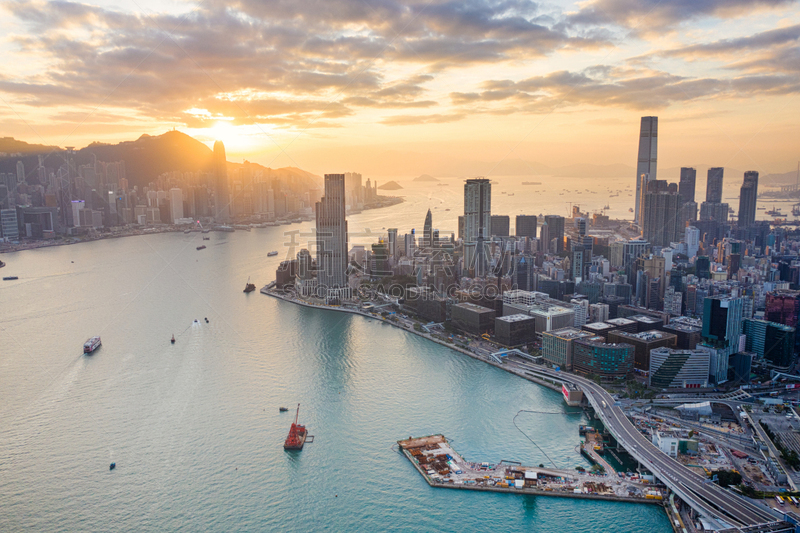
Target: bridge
pixel 724 509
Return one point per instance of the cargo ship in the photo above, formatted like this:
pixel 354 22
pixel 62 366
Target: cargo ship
pixel 92 344
pixel 297 434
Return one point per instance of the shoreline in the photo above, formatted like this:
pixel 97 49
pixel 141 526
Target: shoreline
pixel 150 230
pixel 276 294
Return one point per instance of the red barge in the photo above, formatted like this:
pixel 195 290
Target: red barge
pixel 297 435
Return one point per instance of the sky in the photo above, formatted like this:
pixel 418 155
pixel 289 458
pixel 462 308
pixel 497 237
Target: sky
pixel 358 85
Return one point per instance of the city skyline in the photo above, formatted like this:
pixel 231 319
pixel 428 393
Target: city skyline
pixel 477 82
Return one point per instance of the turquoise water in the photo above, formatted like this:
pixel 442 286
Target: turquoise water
pixel 194 427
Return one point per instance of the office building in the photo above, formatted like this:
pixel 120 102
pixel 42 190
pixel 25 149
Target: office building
pixel 783 307
pixel 770 341
pixel 555 231
pixel 643 343
pixel 515 330
pixel 598 312
pixel 646 165
pixel 681 368
pixel 593 356
pixel 500 225
pixel 472 318
pixel 623 324
pixel 661 217
pixel 525 226
pixel 176 204
pixel 692 240
pixel 598 329
pixel 332 242
pixel 689 331
pixel 748 197
pixel 222 200
pixel 477 224
pixel 722 325
pixel 557 346
pixel 9 227
pixel 686 185
pixel 714 186
pixel 427 231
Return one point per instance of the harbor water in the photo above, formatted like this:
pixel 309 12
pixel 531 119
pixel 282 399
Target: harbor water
pixel 194 427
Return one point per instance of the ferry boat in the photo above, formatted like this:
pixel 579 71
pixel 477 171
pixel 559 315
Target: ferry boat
pixel 297 434
pixel 92 344
pixel 272 253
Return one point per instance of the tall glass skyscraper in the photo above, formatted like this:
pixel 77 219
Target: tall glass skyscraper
pixel 647 162
pixel 222 201
pixel 332 239
pixel 748 196
pixel 477 223
pixel 714 185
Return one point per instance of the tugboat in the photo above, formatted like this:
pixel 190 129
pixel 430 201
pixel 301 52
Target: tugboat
pixel 297 434
pixel 172 340
pixel 92 344
pixel 249 287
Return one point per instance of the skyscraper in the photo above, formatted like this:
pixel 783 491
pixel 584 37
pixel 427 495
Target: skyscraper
pixel 660 217
pixel 748 196
pixel 555 225
pixel 222 211
pixel 501 225
pixel 332 239
pixel 477 223
pixel 526 226
pixel 176 204
pixel 647 161
pixel 20 172
pixel 714 185
pixel 427 231
pixel 686 186
pixel 722 325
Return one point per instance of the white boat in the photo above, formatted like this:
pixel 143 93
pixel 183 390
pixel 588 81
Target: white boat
pixel 92 344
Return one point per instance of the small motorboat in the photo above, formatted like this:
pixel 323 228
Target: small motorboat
pixel 202 247
pixel 112 466
pixel 206 238
pixel 283 409
pixel 172 340
pixel 272 253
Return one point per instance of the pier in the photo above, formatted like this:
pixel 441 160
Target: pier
pixel 442 467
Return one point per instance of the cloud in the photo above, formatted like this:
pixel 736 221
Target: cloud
pixel 408 120
pixel 304 61
pixel 605 86
pixel 645 16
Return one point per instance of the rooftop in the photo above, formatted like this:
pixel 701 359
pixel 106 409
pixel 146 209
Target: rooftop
pixel 569 333
pixel 515 318
pixel 598 326
pixel 620 321
pixel 474 307
pixel 646 336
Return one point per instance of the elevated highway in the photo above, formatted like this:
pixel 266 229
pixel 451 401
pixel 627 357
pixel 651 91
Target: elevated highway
pixel 727 510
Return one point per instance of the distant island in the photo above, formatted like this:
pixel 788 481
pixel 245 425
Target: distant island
pixel 391 186
pixel 425 177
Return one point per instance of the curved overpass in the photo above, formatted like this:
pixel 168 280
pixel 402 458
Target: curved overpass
pixel 708 499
